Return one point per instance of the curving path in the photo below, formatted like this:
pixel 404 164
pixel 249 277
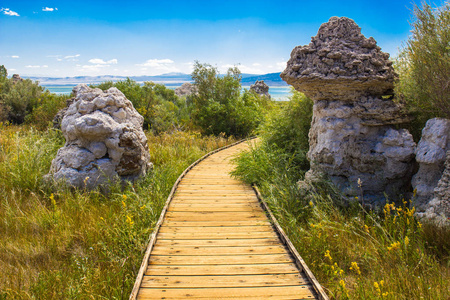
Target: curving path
pixel 215 241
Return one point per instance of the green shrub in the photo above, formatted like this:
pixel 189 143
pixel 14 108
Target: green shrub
pixel 218 106
pixel 424 66
pixel 46 108
pixel 19 98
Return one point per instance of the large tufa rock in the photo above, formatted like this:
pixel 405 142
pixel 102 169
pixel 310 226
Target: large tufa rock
pixel 260 88
pixel 431 153
pixel 351 138
pixel 185 90
pixel 104 140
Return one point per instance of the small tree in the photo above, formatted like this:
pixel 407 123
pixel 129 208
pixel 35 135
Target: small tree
pixel 424 63
pixel 218 106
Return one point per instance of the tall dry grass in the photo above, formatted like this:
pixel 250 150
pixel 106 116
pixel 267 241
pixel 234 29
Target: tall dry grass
pixel 62 244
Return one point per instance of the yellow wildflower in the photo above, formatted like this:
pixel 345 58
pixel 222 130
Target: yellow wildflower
pixel 366 228
pixel 124 197
pixel 354 266
pixel 419 224
pixel 377 288
pixel 129 220
pixel 385 294
pixel 328 255
pixel 311 204
pixel 394 246
pixel 406 241
pixel 344 289
pixel 52 199
pixel 123 204
pixel 142 207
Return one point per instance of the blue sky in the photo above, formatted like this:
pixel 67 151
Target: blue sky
pixel 74 38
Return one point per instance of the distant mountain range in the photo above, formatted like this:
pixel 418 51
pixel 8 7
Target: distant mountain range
pixel 272 79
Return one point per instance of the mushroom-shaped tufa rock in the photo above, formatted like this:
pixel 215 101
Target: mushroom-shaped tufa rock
pixel 340 63
pixel 352 138
pixel 104 140
pixel 261 88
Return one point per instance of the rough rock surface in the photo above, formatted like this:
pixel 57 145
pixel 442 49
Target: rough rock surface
pixel 104 140
pixel 16 78
pixel 185 90
pixel 260 88
pixel 438 209
pixel 352 138
pixel 57 119
pixel 431 154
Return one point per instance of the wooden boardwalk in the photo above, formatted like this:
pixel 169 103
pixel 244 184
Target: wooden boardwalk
pixel 214 240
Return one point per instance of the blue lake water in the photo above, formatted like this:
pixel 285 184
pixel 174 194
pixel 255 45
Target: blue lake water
pixel 279 93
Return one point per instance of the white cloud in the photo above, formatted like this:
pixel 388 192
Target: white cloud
pixel 9 12
pixel 71 56
pixel 12 70
pixel 67 57
pixel 256 64
pixel 100 61
pixel 157 63
pixel 49 9
pixel 36 66
pixel 163 65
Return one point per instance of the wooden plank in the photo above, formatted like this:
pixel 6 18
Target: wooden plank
pixel 214 229
pixel 215 208
pixel 219 259
pixel 215 223
pixel 193 250
pixel 299 292
pixel 281 268
pixel 223 281
pixel 219 242
pixel 215 235
pixel 214 216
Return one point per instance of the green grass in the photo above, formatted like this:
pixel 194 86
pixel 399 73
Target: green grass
pixel 72 244
pixel 355 254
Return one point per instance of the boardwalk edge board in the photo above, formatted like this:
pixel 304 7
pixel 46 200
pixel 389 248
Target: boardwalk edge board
pixel 152 238
pixel 287 242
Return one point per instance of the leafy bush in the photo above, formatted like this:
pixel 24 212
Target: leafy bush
pixel 424 65
pixel 287 128
pixel 218 106
pixel 19 98
pixel 46 108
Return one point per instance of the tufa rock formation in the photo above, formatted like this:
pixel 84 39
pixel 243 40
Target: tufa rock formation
pixel 16 78
pixel 104 140
pixel 431 182
pixel 351 138
pixel 260 88
pixel 438 209
pixel 185 90
pixel 57 119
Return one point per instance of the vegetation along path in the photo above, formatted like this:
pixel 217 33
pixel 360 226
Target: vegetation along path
pixel 216 239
